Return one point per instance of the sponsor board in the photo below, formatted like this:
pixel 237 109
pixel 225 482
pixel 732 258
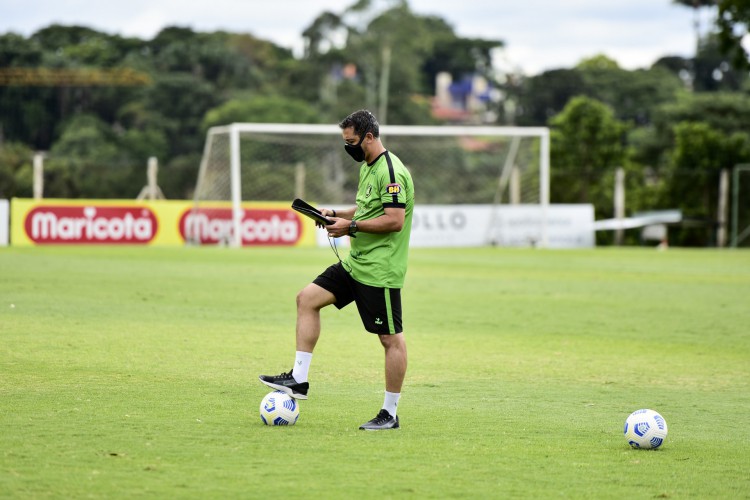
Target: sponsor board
pixel 64 224
pixel 4 221
pixel 115 222
pixel 257 227
pixel 568 226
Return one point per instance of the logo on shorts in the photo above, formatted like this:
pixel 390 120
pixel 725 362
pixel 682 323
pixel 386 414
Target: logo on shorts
pixel 378 321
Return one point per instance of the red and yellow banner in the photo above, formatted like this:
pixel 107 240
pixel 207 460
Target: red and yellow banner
pixel 128 222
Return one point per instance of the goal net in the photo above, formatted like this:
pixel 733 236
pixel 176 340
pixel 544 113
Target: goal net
pixel 252 162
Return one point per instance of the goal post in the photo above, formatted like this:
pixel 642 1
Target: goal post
pixel 451 165
pixel 740 213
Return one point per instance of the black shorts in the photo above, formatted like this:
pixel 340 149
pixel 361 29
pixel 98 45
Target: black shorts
pixel 379 308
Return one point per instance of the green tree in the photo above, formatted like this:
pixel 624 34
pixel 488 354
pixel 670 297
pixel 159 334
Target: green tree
pixel 709 71
pixel 587 146
pixel 652 146
pixel 15 170
pixel 192 73
pixel 177 177
pixel 17 51
pixel 713 70
pixel 545 95
pixel 227 60
pixel 733 21
pixel 31 112
pixel 26 113
pixel 182 100
pixel 90 160
pixel 633 95
pixel 681 153
pixel 700 152
pixel 79 162
pixel 396 53
pixel 256 60
pixel 262 109
pixel 725 111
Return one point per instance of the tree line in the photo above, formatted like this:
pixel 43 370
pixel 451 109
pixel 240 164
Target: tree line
pixel 99 104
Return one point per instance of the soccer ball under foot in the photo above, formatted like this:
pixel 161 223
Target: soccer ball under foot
pixel 645 429
pixel 278 408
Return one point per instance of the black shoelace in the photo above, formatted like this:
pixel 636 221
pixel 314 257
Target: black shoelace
pixel 382 417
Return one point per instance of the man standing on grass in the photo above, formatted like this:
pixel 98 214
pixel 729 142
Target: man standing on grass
pixel 372 275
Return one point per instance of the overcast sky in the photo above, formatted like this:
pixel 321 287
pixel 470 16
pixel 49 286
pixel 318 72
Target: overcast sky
pixel 538 34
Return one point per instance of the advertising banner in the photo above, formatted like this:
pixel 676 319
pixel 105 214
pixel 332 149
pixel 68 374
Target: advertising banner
pixel 567 226
pixel 128 222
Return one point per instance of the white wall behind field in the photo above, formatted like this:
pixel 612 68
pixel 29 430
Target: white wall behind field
pixel 567 226
pixel 4 222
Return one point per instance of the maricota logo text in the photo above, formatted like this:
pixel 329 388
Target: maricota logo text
pixel 90 225
pixel 257 227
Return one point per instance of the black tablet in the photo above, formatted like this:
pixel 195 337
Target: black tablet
pixel 310 211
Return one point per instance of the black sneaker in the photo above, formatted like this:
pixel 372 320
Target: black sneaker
pixel 286 383
pixel 383 421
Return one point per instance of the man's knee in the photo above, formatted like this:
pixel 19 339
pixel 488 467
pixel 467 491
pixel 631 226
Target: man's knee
pixel 305 300
pixel 313 297
pixel 301 298
pixel 393 341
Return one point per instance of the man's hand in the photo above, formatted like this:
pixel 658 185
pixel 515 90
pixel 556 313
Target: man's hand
pixel 326 212
pixel 339 228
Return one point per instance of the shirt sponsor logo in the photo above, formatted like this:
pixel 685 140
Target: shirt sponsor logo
pixel 393 188
pixel 90 224
pixel 257 227
pixel 369 191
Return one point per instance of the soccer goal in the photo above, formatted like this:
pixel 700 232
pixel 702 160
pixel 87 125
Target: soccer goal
pixel 451 165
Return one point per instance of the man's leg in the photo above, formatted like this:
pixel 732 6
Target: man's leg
pixel 395 361
pixel 310 301
pixel 395 371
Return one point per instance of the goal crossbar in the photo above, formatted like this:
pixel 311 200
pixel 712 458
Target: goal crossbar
pixel 301 128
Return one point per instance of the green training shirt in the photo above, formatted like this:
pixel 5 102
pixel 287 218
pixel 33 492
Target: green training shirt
pixel 380 259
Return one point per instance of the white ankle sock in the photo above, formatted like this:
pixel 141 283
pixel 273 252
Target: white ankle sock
pixel 391 402
pixel 301 366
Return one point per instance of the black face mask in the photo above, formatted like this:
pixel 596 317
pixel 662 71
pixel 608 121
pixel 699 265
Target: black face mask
pixel 356 151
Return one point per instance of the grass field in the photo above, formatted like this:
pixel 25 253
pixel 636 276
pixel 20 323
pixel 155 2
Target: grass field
pixel 132 372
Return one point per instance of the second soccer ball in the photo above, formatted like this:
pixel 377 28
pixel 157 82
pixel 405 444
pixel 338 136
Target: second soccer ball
pixel 645 429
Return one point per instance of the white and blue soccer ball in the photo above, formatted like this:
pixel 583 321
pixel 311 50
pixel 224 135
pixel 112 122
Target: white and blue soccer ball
pixel 645 429
pixel 278 408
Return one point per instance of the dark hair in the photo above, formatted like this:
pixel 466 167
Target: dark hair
pixel 362 121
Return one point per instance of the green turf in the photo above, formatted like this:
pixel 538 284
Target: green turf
pixel 132 372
